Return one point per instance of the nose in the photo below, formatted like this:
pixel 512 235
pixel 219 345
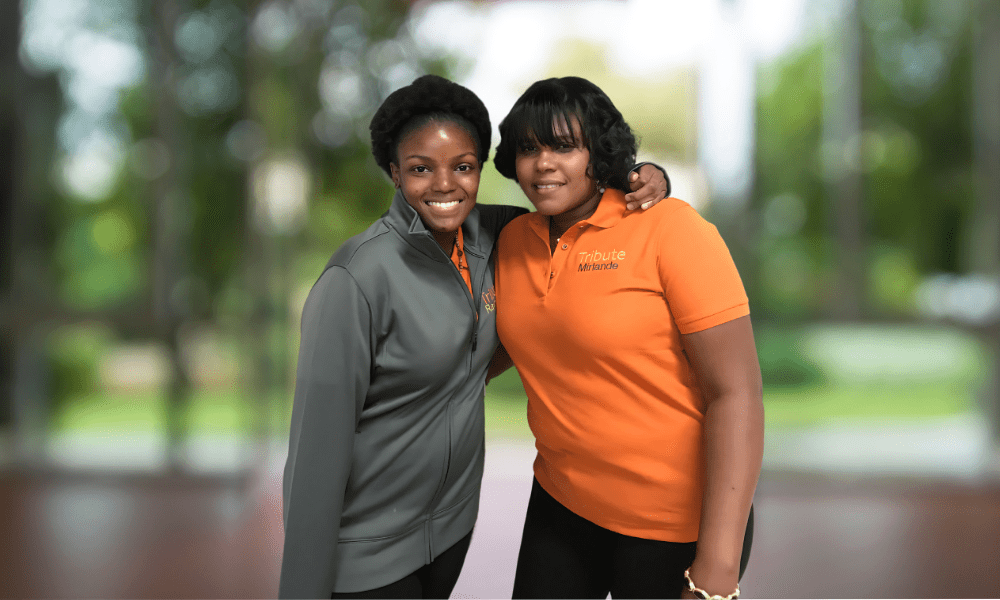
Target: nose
pixel 544 162
pixel 443 180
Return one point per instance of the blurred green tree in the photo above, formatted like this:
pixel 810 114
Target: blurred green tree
pixel 912 152
pixel 220 175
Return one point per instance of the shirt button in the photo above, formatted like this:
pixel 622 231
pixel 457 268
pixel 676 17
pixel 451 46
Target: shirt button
pixel 552 274
pixel 565 246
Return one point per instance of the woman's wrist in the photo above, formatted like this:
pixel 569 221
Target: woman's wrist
pixel 693 589
pixel 714 578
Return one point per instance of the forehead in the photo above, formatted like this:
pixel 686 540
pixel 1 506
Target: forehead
pixel 436 134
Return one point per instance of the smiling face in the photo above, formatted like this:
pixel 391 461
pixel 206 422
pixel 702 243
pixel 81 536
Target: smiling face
pixel 438 172
pixel 557 179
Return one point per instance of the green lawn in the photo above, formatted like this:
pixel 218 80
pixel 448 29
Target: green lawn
pixel 505 413
pixel 213 412
pixel 812 376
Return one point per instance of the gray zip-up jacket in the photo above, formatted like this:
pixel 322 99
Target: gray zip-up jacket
pixel 385 457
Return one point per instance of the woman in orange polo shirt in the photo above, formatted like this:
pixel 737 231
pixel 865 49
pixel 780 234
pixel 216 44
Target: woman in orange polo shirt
pixel 648 422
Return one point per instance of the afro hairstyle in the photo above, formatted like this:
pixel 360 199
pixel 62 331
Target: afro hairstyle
pixel 428 98
pixel 535 115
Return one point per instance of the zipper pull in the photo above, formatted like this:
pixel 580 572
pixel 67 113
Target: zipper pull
pixel 475 339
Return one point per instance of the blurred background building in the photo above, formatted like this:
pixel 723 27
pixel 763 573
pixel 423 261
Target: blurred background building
pixel 176 174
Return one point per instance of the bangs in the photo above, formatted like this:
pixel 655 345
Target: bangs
pixel 542 124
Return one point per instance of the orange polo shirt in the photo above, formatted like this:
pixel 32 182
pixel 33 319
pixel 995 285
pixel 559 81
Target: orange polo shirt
pixel 595 332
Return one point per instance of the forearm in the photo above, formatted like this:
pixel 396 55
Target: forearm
pixel 500 362
pixel 733 446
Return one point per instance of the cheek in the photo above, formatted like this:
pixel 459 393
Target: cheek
pixel 472 188
pixel 412 187
pixel 584 172
pixel 521 168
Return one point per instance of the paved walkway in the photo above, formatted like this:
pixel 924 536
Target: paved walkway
pixel 887 512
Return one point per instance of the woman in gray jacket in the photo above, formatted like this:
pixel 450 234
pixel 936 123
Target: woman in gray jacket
pixel 385 459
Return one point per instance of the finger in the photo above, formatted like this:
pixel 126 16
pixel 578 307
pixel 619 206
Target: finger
pixel 647 204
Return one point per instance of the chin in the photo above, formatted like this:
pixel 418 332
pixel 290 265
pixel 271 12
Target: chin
pixel 547 209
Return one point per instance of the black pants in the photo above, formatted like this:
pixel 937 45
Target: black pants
pixel 564 555
pixel 435 580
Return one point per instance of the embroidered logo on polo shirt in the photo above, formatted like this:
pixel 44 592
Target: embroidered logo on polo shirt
pixel 599 261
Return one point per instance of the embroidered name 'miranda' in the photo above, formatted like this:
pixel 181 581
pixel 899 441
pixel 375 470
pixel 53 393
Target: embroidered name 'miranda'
pixel 597 267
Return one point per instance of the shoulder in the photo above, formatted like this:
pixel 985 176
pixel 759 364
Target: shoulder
pixel 366 257
pixel 520 227
pixel 677 220
pixel 671 210
pixel 361 248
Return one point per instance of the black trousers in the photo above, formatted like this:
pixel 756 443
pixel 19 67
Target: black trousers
pixel 564 555
pixel 434 580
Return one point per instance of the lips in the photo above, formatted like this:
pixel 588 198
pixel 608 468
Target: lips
pixel 546 186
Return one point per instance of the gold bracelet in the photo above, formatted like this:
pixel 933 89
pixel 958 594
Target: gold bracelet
pixel 700 593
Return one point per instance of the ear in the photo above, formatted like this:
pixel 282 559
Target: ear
pixel 394 173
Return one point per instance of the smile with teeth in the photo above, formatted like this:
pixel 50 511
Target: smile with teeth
pixel 547 186
pixel 444 204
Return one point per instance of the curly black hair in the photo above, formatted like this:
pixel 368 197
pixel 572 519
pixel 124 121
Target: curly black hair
pixel 428 98
pixel 546 104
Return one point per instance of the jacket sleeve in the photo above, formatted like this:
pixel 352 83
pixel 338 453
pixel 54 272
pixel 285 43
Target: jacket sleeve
pixel 494 217
pixel 331 382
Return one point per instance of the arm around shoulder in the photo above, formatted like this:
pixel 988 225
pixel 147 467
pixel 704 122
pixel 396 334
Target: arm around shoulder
pixel 495 217
pixel 331 381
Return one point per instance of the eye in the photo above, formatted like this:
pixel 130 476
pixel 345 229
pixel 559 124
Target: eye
pixel 420 169
pixel 465 168
pixel 527 149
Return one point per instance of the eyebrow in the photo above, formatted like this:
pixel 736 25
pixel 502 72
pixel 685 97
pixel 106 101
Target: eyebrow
pixel 427 158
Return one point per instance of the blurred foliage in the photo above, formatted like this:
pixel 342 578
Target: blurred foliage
pixel 915 160
pixel 228 89
pixel 783 361
pixel 74 352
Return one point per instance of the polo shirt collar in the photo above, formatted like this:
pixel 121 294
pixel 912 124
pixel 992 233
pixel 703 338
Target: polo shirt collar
pixel 609 211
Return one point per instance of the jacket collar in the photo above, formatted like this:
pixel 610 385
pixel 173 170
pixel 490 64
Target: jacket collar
pixel 404 219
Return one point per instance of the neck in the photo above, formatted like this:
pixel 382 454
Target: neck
pixel 559 224
pixel 445 239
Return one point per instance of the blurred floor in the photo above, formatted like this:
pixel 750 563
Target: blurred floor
pixel 818 535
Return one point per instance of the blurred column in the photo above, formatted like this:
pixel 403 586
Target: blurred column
pixel 841 157
pixel 171 222
pixel 984 253
pixel 29 109
pixel 10 21
pixel 726 102
pixel 258 266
